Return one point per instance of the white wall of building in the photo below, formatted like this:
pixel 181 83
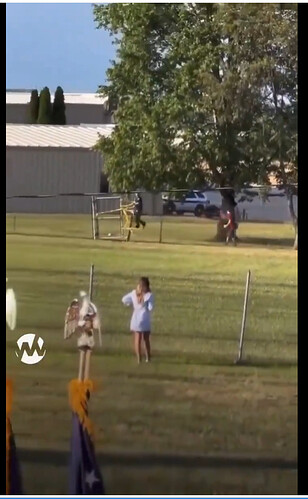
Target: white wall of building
pixel 275 209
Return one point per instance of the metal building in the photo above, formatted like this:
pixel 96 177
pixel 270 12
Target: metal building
pixel 48 160
pixel 80 108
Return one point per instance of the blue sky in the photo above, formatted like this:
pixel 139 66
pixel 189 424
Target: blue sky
pixel 55 44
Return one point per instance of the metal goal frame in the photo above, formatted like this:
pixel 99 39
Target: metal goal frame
pixel 124 213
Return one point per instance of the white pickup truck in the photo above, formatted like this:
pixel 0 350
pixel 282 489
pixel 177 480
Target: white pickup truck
pixel 190 202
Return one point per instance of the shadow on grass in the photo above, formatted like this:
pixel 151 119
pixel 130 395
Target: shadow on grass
pixel 267 363
pixel 56 236
pixel 205 359
pixel 181 358
pixel 262 241
pixel 229 339
pixel 246 241
pixel 61 458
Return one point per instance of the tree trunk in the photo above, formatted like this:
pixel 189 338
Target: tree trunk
pixel 221 232
pixel 294 218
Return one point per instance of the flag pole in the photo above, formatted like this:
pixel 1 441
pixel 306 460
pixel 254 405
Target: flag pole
pixel 87 364
pixel 88 351
pixel 85 352
pixel 81 364
pixel 85 474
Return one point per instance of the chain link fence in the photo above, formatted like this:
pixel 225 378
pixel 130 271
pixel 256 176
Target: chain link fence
pixel 174 217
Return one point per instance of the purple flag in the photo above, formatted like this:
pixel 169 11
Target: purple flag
pixel 85 477
pixel 14 476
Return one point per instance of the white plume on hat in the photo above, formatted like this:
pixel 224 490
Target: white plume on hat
pixel 11 308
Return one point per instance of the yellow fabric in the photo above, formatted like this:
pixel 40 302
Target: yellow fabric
pixel 78 397
pixel 127 215
pixel 9 395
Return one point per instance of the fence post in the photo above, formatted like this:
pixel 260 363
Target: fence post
pixel 161 230
pixel 241 343
pixel 91 282
pixel 93 218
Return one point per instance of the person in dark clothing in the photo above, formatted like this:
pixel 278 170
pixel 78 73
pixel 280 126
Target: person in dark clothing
pixel 138 211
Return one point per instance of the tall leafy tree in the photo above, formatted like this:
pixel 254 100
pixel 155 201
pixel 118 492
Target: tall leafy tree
pixel 141 152
pixel 280 107
pixel 34 107
pixel 45 108
pixel 58 108
pixel 189 85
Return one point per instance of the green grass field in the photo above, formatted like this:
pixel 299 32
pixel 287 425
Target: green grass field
pixel 191 422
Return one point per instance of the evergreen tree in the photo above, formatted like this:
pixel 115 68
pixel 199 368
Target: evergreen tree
pixel 34 107
pixel 45 108
pixel 58 108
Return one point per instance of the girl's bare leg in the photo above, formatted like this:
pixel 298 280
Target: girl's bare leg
pixel 137 343
pixel 147 344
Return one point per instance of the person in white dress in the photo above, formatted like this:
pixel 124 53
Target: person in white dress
pixel 141 299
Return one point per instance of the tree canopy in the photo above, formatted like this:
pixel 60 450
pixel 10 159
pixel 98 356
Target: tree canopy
pixel 204 93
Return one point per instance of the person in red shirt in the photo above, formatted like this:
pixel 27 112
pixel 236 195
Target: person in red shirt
pixel 231 228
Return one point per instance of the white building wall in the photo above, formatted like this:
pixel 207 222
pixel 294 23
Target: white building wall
pixel 275 209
